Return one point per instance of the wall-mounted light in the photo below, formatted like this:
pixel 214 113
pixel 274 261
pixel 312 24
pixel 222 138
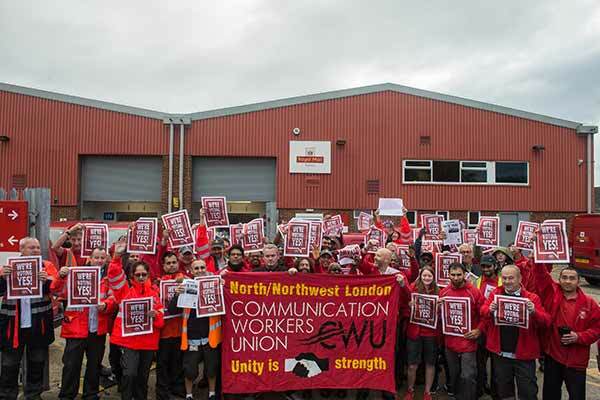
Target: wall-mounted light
pixel 340 142
pixel 538 147
pixel 4 138
pixel 296 131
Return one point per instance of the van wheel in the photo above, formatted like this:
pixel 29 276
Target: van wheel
pixel 593 281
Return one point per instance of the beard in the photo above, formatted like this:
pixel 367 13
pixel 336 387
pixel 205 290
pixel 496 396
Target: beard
pixel 236 267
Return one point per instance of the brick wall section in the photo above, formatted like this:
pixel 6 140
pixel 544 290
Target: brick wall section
pixel 68 212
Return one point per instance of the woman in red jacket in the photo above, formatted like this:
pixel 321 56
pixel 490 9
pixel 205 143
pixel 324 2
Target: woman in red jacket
pixel 422 342
pixel 138 350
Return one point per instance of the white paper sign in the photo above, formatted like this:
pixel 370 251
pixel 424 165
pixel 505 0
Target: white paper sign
pixel 393 207
pixel 453 232
pixel 189 298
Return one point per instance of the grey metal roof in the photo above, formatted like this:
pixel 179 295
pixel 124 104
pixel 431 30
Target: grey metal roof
pixel 336 94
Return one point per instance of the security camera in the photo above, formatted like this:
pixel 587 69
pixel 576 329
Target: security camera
pixel 579 163
pixel 296 131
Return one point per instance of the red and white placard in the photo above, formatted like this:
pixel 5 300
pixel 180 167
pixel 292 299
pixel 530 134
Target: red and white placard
pixel 431 247
pixel 141 237
pixel 83 287
pixel 333 226
pixel 135 320
pixel 404 258
pixel 488 232
pixel 24 281
pixel 512 311
pixel 433 226
pixel 316 234
pixel 254 235
pixel 215 212
pixel 236 234
pixel 424 310
pixel 377 235
pixel 525 233
pixel 456 315
pixel 364 221
pixel 180 231
pixel 442 267
pixel 350 251
pixel 469 236
pixel 210 296
pixel 552 245
pixel 167 292
pixel 94 235
pixel 297 240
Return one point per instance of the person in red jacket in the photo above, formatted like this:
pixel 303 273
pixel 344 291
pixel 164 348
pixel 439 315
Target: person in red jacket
pixel 422 342
pixel 461 350
pixel 169 358
pixel 575 326
pixel 84 329
pixel 138 350
pixel 236 261
pixel 515 348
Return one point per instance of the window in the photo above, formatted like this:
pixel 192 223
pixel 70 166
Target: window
pixel 473 219
pixel 512 172
pixel 411 216
pixel 309 216
pixel 444 214
pixel 466 172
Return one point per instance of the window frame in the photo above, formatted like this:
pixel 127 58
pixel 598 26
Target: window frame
pixel 416 217
pixel 469 224
pixel 444 213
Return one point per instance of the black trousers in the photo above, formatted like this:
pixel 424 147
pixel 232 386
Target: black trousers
pixel 463 374
pixel 508 371
pixel 555 374
pixel 136 369
pixel 169 368
pixel 114 358
pixel 93 349
pixel 9 377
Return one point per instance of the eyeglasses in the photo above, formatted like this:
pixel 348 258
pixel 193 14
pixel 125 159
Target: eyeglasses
pixel 140 275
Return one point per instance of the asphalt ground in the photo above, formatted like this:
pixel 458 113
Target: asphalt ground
pixel 56 352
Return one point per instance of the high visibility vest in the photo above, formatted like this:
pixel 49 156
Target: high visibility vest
pixel 480 279
pixel 215 336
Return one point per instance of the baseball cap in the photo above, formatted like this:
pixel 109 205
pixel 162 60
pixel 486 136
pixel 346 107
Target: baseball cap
pixel 186 249
pixel 487 260
pixel 218 242
pixel 326 252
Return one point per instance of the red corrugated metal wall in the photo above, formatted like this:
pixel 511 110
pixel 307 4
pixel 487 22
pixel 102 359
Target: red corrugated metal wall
pixel 380 129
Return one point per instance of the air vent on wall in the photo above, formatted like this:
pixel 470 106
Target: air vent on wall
pixel 373 186
pixel 424 139
pixel 19 182
pixel 312 181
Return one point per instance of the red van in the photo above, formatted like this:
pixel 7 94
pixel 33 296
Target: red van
pixel 584 239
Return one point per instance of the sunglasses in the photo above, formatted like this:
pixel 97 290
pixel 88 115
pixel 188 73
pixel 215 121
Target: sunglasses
pixel 140 275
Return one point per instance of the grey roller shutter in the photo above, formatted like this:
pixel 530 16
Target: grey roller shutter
pixel 121 178
pixel 251 179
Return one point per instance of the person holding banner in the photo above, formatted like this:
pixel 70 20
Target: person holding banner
pixel 575 326
pixel 422 340
pixel 26 327
pixel 137 351
pixel 461 346
pixel 515 319
pixel 84 330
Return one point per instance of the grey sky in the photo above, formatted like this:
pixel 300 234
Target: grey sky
pixel 186 56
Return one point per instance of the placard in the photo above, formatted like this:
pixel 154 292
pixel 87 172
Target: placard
pixel 24 280
pixel 525 234
pixel 167 292
pixel 423 310
pixel 236 234
pixel 215 211
pixel 391 207
pixel 364 221
pixel 405 261
pixel 378 235
pixel 141 238
pixel 333 226
pixel 350 251
pixel 83 287
pixel 552 244
pixel 488 232
pixel 254 236
pixel 442 267
pixel 94 235
pixel 433 227
pixel 135 320
pixel 469 236
pixel 297 240
pixel 189 297
pixel 512 311
pixel 456 315
pixel 180 232
pixel 210 296
pixel 453 232
pixel 316 235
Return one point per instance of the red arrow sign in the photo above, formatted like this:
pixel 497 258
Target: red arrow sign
pixel 13 224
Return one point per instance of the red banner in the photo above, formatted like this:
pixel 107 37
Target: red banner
pixel 141 237
pixel 488 232
pixel 24 280
pixel 135 320
pixel 364 221
pixel 254 235
pixel 83 287
pixel 333 226
pixel 167 292
pixel 215 212
pixel 94 235
pixel 433 226
pixel 512 311
pixel 180 232
pixel 297 240
pixel 552 245
pixel 525 233
pixel 456 315
pixel 308 331
pixel 442 266
pixel 210 296
pixel 424 310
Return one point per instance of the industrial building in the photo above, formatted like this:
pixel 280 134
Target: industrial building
pixel 329 152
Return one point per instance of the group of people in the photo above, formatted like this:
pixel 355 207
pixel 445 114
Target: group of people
pixel 563 321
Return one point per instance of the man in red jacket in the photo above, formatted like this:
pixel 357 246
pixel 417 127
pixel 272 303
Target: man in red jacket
pixel 575 326
pixel 515 348
pixel 461 350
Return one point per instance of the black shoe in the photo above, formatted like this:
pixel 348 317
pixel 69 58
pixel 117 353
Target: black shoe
pixel 307 394
pixel 213 397
pixel 105 371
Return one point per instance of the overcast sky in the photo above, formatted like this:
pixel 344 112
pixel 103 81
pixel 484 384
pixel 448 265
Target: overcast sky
pixel 186 56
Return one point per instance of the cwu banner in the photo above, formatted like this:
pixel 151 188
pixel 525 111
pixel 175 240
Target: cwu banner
pixel 308 331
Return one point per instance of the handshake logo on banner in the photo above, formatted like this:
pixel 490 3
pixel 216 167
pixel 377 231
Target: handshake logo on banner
pixel 306 365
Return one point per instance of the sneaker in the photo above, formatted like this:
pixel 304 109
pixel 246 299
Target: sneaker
pixel 189 397
pixel 213 397
pixel 410 393
pixel 426 396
